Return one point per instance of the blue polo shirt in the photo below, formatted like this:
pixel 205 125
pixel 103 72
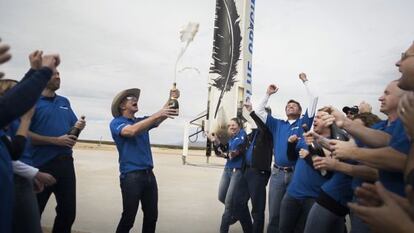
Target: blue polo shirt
pixel 134 152
pixel 383 126
pixel 306 181
pixel 339 188
pixel 281 131
pixel 6 184
pixel 235 143
pixel 53 117
pixel 394 181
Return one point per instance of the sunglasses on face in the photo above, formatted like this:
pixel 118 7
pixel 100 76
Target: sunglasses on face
pixel 132 98
pixel 405 56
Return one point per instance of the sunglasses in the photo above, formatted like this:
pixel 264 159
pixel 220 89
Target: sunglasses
pixel 405 56
pixel 133 98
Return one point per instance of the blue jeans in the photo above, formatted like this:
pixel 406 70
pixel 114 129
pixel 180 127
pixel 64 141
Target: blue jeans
pixel 293 214
pixel 139 186
pixel 236 204
pixel 256 182
pixel 63 170
pixel 321 220
pixel 278 183
pixel 224 184
pixel 26 217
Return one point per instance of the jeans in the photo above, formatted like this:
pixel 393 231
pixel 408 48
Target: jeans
pixel 293 214
pixel 357 225
pixel 278 183
pixel 26 217
pixel 64 190
pixel 321 220
pixel 139 186
pixel 224 184
pixel 236 204
pixel 256 183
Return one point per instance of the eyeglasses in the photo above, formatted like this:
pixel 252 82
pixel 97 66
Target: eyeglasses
pixel 405 56
pixel 133 98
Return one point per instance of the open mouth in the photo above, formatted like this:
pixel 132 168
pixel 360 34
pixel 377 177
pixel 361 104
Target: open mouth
pixel 135 104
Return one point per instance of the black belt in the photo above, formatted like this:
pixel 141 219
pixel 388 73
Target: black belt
pixel 143 171
pixel 284 169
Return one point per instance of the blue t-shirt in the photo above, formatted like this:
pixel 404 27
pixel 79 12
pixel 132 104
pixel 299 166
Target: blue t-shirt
pixel 306 181
pixel 281 131
pixel 53 117
pixel 394 181
pixel 235 143
pixel 383 126
pixel 134 152
pixel 6 187
pixel 339 187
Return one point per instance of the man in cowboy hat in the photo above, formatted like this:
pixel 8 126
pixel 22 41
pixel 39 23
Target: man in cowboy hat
pixel 131 137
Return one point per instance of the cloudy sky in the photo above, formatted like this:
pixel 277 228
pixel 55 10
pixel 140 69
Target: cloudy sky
pixel 347 48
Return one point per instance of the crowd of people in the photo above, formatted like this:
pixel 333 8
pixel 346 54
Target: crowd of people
pixel 327 164
pixel 320 164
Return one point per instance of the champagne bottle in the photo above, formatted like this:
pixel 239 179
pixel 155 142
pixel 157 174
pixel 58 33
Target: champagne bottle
pixel 75 131
pixel 337 133
pixel 315 149
pixel 173 102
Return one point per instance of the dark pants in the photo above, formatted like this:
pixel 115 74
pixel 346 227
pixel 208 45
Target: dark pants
pixel 256 183
pixel 322 220
pixel 236 204
pixel 64 190
pixel 26 218
pixel 293 214
pixel 139 186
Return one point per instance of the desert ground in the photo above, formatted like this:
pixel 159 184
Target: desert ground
pixel 187 193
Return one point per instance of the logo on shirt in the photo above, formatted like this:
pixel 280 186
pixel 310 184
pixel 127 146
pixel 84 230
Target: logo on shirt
pixel 296 127
pixel 64 107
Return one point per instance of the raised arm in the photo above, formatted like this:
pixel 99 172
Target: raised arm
pixel 260 110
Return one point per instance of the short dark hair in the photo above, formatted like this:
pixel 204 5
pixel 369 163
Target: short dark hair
pixel 238 121
pixel 295 102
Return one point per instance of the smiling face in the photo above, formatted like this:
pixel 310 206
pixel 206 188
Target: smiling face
pixel 293 110
pixel 406 67
pixel 390 98
pixel 233 127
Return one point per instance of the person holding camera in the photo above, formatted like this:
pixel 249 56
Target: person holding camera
pixel 131 136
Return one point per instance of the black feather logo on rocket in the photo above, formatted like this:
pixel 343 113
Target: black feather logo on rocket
pixel 226 47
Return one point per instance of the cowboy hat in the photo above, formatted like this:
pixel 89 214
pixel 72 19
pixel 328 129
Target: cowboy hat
pixel 120 97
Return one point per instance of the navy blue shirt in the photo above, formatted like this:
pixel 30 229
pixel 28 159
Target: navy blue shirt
pixel 53 117
pixel 249 152
pixel 134 152
pixel 6 187
pixel 281 131
pixel 235 143
pixel 306 181
pixel 394 181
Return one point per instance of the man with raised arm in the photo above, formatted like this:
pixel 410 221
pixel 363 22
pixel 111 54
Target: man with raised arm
pixel 281 130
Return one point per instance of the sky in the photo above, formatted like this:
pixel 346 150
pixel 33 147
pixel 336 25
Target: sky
pixel 347 48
